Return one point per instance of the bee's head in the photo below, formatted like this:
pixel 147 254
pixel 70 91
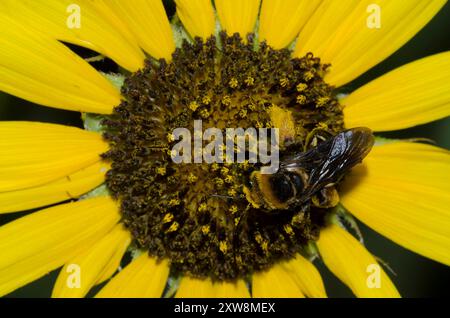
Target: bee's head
pixel 274 191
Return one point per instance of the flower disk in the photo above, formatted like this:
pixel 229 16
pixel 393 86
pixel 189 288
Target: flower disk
pixel 196 214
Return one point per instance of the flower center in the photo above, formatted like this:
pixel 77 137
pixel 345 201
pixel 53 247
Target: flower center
pixel 198 215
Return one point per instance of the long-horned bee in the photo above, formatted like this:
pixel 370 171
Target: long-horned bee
pixel 310 175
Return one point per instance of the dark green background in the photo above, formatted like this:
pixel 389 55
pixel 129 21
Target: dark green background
pixel 416 276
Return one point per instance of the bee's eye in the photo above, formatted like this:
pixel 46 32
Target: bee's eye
pixel 281 187
pixel 297 181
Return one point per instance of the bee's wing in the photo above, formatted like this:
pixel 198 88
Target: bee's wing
pixel 329 161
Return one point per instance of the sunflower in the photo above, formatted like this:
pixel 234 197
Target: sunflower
pixel 132 220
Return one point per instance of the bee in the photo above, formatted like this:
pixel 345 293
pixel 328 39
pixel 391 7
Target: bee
pixel 310 176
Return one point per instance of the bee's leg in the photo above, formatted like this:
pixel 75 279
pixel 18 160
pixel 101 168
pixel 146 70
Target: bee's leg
pixel 346 219
pixel 298 219
pixel 326 198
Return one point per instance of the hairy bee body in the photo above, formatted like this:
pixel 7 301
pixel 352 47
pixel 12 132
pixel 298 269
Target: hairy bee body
pixel 311 175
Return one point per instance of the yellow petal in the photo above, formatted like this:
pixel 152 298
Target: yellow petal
pixel 306 276
pixel 44 71
pixel 89 265
pixel 411 95
pixel 149 22
pixel 143 277
pixel 38 243
pixel 237 16
pixel 205 288
pixel 353 264
pixel 321 26
pixel 402 192
pixel 197 17
pixel 343 34
pixel 100 28
pixel 113 264
pixel 33 154
pixel 281 20
pixel 62 189
pixel 276 282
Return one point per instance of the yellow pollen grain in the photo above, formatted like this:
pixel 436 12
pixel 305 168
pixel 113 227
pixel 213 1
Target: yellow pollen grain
pixel 226 100
pixel 161 171
pixel 301 99
pixel 203 207
pixel 284 82
pixel 322 101
pixel 206 100
pixel 172 152
pixel 265 246
pixel 170 137
pixel 308 75
pixel 288 229
pixel 233 83
pixel 192 178
pixel 204 113
pixel 301 87
pixel 205 229
pixel 233 209
pixel 223 246
pixel 245 165
pixel 224 171
pixel 322 125
pixel 168 217
pixel 174 202
pixel 249 81
pixel 229 179
pixel 232 192
pixel 215 166
pixel 258 238
pixel 219 182
pixel 173 227
pixel 193 106
pixel 236 221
